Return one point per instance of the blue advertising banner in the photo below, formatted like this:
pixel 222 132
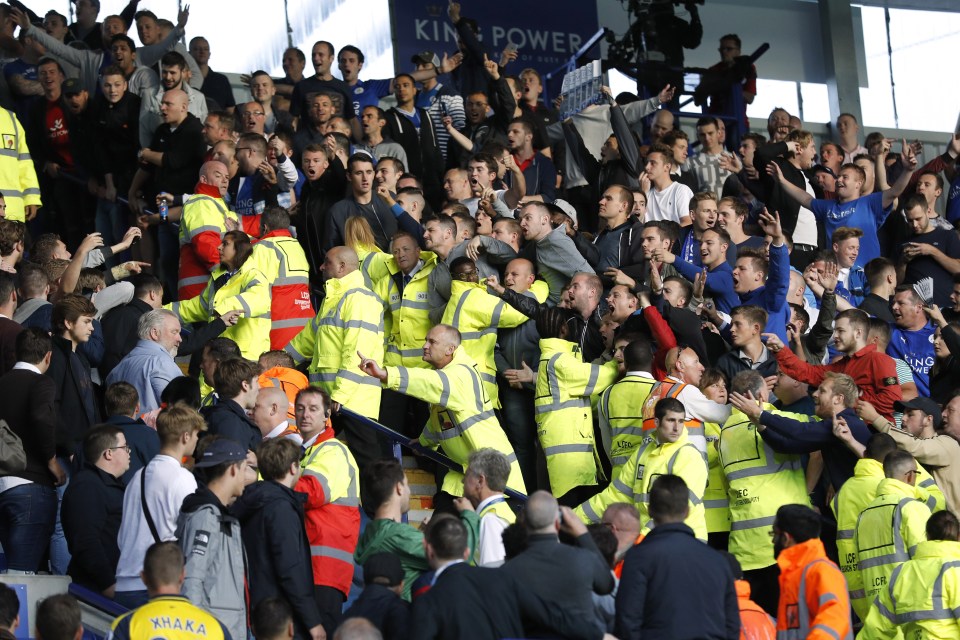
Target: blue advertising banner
pixel 545 35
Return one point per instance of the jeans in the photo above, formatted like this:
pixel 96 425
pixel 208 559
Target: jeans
pixel 59 552
pixel 27 515
pixel 168 244
pixel 111 222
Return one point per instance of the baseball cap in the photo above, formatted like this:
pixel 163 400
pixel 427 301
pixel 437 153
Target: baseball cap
pixel 426 57
pixel 71 86
pixel 568 209
pixel 221 451
pixel 926 405
pixel 383 568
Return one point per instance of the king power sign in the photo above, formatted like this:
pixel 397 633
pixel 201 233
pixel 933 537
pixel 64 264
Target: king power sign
pixel 545 38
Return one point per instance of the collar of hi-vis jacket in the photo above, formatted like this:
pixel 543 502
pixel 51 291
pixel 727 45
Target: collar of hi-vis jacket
pixel 800 555
pixel 892 486
pixel 336 287
pixel 868 468
pixel 204 189
pixel 429 261
pixel 550 346
pixel 459 357
pixel 279 233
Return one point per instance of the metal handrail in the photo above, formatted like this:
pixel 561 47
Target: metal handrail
pixel 96 600
pixel 399 440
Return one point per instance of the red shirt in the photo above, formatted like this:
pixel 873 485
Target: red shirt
pixel 874 372
pixel 58 136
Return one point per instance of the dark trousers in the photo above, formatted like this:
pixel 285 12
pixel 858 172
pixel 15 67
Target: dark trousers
pixel 518 422
pixel 27 517
pixel 361 439
pixel 765 587
pixel 330 603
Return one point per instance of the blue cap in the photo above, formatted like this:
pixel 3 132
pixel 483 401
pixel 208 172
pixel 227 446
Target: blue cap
pixel 220 451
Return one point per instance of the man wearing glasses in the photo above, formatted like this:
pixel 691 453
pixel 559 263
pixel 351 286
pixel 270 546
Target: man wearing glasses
pixel 92 508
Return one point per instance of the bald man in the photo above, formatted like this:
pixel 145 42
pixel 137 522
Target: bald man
pixel 662 123
pixel 564 576
pixel 179 139
pixel 350 321
pixel 203 222
pixel 270 415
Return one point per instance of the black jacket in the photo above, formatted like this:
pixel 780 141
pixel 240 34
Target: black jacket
pixel 565 577
pixel 143 441
pixel 120 333
pixel 586 333
pixel 674 587
pixel 116 149
pixel 422 147
pixel 278 552
pixel 774 195
pixel 386 610
pixel 475 602
pixel 382 221
pixel 91 512
pixel 29 409
pixel 229 420
pixel 183 152
pixel 310 220
pixel 75 403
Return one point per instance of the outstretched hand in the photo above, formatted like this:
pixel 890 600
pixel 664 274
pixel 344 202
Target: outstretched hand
pixel 370 367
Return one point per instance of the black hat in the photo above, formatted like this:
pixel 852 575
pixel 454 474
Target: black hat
pixel 71 86
pixel 220 451
pixel 926 405
pixel 383 568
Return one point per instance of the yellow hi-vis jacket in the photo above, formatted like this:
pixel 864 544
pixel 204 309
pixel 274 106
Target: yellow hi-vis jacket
pixel 647 463
pixel 350 320
pixel 760 481
pixel 373 264
pixel 888 532
pixel 563 414
pixel 279 257
pixel 18 177
pixel 854 496
pixel 407 317
pixel 716 503
pixel 461 416
pixel 477 315
pixel 620 414
pixel 246 290
pixel 922 599
pixel 202 225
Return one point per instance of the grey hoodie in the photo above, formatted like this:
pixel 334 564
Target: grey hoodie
pixel 215 560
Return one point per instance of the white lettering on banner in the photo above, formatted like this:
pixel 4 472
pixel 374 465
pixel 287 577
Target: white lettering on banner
pixel 529 39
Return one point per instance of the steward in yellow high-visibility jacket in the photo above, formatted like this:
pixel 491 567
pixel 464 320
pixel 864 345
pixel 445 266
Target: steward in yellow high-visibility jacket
pixel 890 528
pixel 668 452
pixel 716 503
pixel 461 416
pixel 350 320
pixel 923 595
pixel 18 177
pixel 564 414
pixel 280 257
pixel 203 222
pixel 477 315
pixel 405 291
pixel 855 495
pixel 759 481
pixel 620 412
pixel 245 290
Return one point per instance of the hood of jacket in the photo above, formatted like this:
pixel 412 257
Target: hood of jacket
pixel 260 494
pixel 200 498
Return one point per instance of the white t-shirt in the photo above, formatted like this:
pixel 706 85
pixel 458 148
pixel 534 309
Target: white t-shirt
pixel 167 484
pixel 672 203
pixel 806 229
